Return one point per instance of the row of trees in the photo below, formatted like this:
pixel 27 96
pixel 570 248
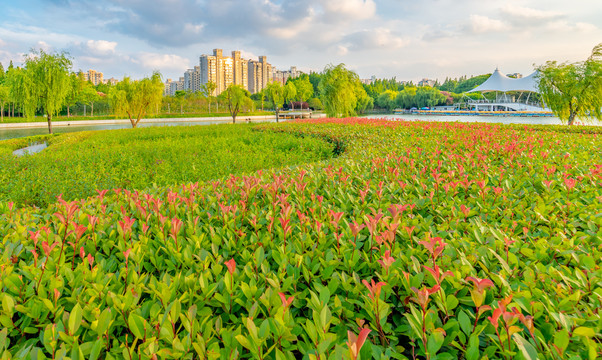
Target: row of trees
pixel 45 85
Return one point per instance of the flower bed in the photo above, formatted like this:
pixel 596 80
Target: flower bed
pixel 422 240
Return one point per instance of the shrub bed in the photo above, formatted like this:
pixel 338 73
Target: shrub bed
pixel 422 240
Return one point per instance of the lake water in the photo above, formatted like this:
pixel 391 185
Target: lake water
pixel 469 118
pixel 15 133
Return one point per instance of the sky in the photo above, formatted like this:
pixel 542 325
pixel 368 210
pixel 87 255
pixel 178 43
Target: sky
pixel 405 39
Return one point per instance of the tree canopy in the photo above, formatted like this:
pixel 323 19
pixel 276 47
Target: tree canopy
pixel 573 90
pixel 134 98
pixel 46 83
pixel 341 92
pixel 237 98
pixel 304 88
pixel 275 94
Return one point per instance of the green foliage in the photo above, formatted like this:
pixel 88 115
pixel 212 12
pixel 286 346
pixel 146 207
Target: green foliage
pixel 80 163
pixel 573 90
pixel 304 88
pixel 135 98
pixel 237 99
pixel 422 240
pixel 45 84
pixel 387 100
pixel 341 92
pixel 274 92
pixel 463 84
pixel 315 104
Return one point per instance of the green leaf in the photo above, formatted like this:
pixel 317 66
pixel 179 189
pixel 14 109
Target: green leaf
pixel 465 323
pixel 8 305
pixel 75 319
pixel 561 339
pixel 95 352
pixel 435 341
pixel 525 347
pixel 584 331
pixel 137 325
pixel 472 352
pixel 451 302
pixel 104 320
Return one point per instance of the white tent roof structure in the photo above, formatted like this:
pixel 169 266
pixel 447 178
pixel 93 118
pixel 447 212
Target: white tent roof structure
pixel 500 82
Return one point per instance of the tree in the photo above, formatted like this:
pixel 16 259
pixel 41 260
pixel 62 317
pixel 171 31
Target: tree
pixel 88 95
pixel 17 91
pixel 386 100
pixel 304 88
pixel 275 94
pixel 208 90
pixel 46 83
pixel 573 89
pixel 76 84
pixel 341 92
pixel 135 98
pixel 236 98
pixel 290 93
pixel 4 93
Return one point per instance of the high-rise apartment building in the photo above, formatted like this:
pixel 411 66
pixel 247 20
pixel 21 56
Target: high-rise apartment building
pixel 252 75
pixel 192 79
pixel 95 77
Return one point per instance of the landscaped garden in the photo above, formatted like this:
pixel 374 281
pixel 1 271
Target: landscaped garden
pixel 345 239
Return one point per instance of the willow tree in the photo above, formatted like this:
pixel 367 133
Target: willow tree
pixel 275 94
pixel 304 89
pixel 342 92
pixel 134 98
pixel 236 97
pixel 46 84
pixel 290 93
pixel 573 90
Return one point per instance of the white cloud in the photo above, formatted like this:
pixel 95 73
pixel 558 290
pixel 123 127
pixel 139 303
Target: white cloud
pixel 342 50
pixel 374 38
pixel 154 61
pixel 101 47
pixel 43 46
pixel 350 9
pixel 482 24
pixel 194 28
pixel 565 26
pixel 516 11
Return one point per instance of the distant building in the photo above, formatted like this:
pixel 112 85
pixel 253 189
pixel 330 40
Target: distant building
pixel 95 77
pixel 515 75
pixel 170 86
pixel 252 75
pixel 111 81
pixel 192 79
pixel 427 82
pixel 282 76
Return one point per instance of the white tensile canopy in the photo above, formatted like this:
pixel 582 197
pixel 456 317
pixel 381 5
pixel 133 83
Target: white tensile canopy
pixel 500 82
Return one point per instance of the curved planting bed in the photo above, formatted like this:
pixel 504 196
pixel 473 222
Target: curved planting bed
pixel 422 240
pixel 76 164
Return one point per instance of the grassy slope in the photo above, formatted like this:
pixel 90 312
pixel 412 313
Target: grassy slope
pixel 77 164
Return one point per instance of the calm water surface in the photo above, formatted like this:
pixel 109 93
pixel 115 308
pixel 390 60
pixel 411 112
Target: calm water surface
pixel 15 133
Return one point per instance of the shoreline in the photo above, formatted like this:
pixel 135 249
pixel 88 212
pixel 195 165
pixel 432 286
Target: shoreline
pixel 62 123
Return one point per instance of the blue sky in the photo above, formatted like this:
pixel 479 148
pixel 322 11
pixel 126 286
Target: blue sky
pixel 405 39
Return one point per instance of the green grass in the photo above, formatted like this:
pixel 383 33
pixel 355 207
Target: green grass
pixel 8 120
pixel 77 164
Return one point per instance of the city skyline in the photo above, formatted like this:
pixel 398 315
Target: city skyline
pixel 410 41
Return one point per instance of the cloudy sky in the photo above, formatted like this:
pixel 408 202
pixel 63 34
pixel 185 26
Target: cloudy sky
pixel 406 39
